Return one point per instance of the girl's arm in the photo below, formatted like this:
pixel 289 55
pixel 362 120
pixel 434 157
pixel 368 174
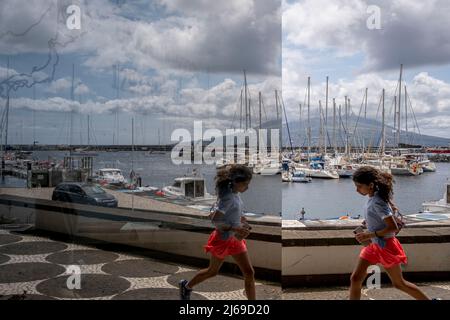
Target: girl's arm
pixel 391 226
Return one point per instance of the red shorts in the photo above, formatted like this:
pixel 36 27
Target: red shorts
pixel 222 248
pixel 392 254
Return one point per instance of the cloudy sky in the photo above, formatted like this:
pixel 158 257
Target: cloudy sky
pixel 331 38
pixel 169 62
pixel 163 62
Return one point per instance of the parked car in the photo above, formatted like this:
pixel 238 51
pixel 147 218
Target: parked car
pixel 83 193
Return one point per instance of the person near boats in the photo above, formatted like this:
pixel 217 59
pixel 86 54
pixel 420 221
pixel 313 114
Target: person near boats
pixel 231 229
pixel 380 243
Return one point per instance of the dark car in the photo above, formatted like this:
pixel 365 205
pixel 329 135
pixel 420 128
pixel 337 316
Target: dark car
pixel 83 193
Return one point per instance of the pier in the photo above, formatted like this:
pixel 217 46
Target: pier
pixel 324 253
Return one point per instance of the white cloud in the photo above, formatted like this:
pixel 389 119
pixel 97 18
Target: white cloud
pixel 63 85
pixel 219 103
pixel 59 85
pixel 233 35
pixel 413 32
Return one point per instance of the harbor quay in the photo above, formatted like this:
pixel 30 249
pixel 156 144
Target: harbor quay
pixel 324 253
pixel 141 250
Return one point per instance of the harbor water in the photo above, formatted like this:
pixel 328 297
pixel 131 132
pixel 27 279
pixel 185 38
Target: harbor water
pixel 321 199
pixel 158 170
pixel 327 199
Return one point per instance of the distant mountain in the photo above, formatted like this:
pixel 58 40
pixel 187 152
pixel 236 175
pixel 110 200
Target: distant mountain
pixel 368 130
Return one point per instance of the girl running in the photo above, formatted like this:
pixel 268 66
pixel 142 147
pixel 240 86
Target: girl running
pixel 231 229
pixel 383 247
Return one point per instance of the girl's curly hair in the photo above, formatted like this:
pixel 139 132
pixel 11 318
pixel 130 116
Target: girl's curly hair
pixel 230 174
pixel 383 182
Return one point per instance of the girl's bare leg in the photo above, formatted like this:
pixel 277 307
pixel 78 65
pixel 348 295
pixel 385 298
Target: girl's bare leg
pixel 213 269
pixel 357 278
pixel 396 275
pixel 243 261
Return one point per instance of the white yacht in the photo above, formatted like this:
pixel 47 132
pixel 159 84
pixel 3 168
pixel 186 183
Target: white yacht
pixel 318 170
pixel 110 176
pixel 321 173
pixel 439 206
pixel 267 167
pixel 405 169
pixel 191 188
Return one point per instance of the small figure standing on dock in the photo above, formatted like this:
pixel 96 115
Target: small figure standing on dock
pixel 302 213
pixel 138 180
pixel 382 244
pixel 228 238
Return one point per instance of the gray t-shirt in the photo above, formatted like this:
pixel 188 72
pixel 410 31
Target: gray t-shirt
pixel 376 211
pixel 231 206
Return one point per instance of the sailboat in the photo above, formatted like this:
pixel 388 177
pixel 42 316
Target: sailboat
pixel 315 168
pixel 407 164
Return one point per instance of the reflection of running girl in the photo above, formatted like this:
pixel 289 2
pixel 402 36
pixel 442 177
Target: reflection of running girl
pixel 383 247
pixel 231 229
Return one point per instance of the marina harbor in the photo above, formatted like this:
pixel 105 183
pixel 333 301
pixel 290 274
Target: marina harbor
pixel 245 151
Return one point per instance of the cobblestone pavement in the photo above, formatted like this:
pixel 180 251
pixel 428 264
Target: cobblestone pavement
pixel 39 266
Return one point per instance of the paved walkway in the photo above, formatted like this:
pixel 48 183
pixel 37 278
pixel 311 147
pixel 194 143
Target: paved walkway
pixel 37 265
pixel 433 290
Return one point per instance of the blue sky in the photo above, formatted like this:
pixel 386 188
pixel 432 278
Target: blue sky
pixel 178 61
pixel 182 61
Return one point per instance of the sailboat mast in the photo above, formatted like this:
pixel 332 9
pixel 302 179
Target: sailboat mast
pixel 326 112
pixel 249 112
pixel 72 97
pixel 399 104
pixel 349 113
pixel 246 101
pixel 34 117
pixel 341 124
pixel 309 120
pixel 383 129
pixel 321 142
pixel 260 102
pixel 346 125
pixel 300 125
pixel 334 125
pixel 240 112
pixel 276 105
pixel 406 112
pixel 88 131
pixel 7 108
pixel 365 104
pixel 395 118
